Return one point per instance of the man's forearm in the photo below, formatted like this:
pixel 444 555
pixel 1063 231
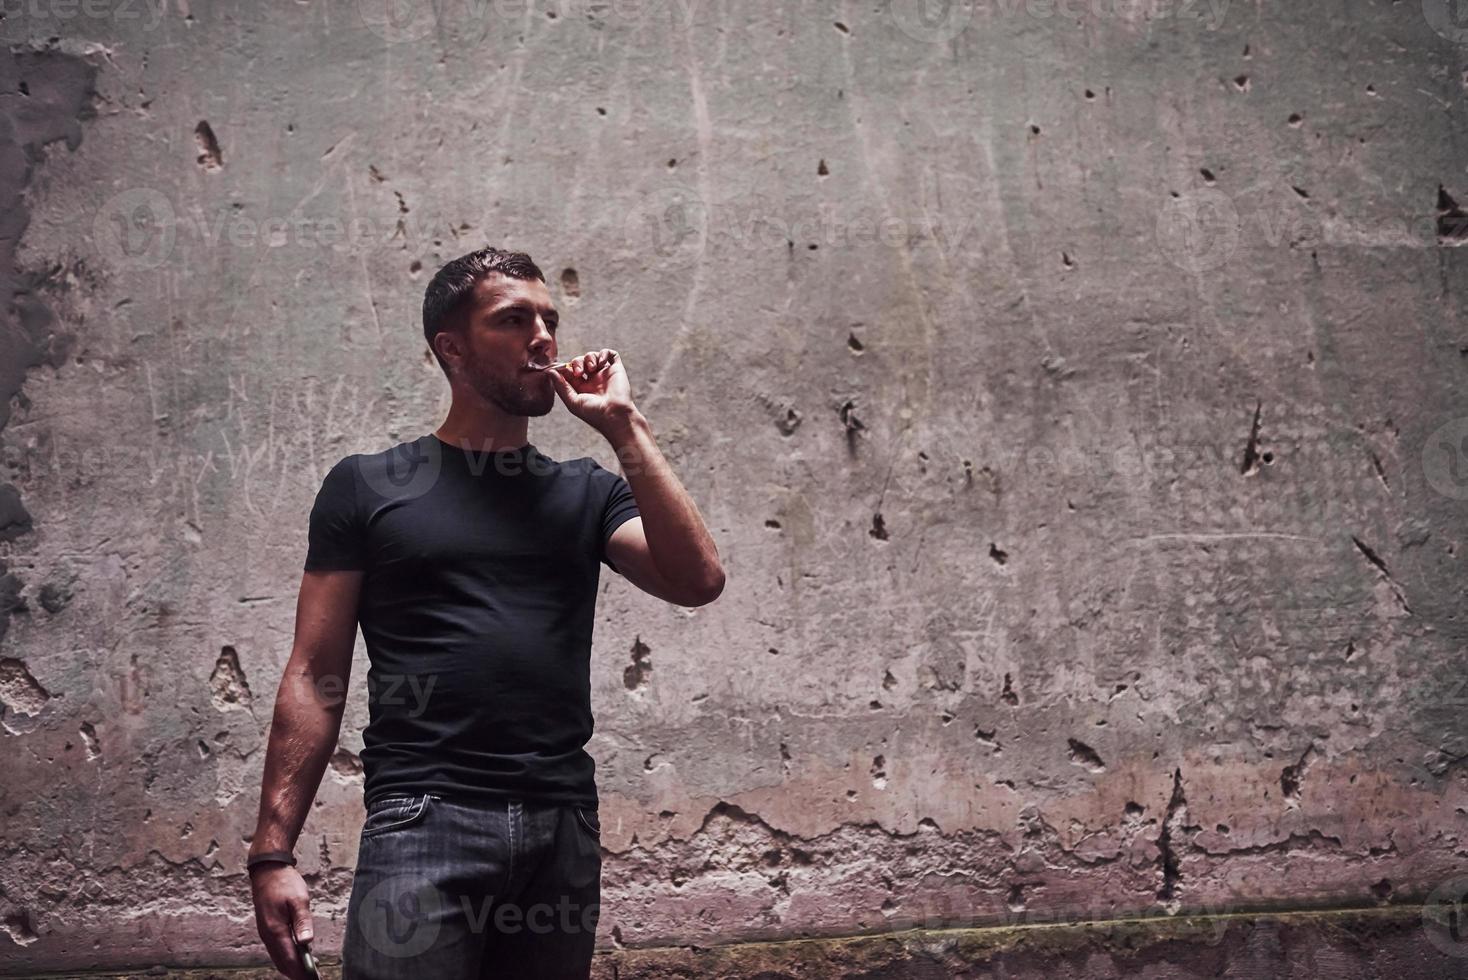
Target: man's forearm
pixel 303 733
pixel 679 542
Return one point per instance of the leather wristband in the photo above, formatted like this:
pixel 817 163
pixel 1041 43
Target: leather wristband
pixel 269 857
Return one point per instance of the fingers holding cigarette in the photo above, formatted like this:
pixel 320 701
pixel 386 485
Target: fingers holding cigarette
pixel 584 366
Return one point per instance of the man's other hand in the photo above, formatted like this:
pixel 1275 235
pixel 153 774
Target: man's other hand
pixel 282 914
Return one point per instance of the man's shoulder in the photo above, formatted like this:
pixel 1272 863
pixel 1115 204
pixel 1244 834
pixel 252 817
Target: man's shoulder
pixel 377 456
pixel 395 456
pixel 579 465
pixel 590 472
pixel 408 468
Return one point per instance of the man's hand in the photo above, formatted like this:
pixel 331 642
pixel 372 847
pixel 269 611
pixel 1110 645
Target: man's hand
pixel 595 388
pixel 282 915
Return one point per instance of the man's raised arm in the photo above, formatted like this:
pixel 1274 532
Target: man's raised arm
pixel 667 549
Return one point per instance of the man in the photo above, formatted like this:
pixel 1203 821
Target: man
pixel 472 561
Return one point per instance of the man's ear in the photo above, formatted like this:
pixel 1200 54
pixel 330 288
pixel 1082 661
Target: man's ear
pixel 449 347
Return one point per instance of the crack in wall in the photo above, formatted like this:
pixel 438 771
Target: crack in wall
pixel 1386 573
pixel 1176 811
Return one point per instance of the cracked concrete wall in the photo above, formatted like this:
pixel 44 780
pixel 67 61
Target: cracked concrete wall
pixel 1076 392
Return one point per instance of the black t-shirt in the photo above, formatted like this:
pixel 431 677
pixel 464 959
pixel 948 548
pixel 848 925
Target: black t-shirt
pixel 477 609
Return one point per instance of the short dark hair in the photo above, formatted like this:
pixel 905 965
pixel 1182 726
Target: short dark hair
pixel 452 286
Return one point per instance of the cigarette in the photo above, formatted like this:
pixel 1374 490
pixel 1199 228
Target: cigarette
pixel 560 364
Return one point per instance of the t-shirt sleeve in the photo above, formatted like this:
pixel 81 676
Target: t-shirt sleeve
pixel 620 507
pixel 336 538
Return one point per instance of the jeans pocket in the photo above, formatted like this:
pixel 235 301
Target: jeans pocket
pixel 395 813
pixel 588 818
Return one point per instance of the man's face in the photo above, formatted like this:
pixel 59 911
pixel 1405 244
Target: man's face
pixel 511 323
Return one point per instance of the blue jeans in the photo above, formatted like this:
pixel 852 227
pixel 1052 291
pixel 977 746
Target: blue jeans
pixel 456 889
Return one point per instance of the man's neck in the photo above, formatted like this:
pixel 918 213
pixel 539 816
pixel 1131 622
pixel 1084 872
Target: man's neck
pixel 480 443
pixel 482 433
